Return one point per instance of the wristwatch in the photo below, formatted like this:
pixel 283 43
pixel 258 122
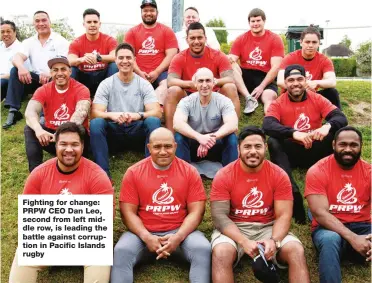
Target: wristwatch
pixel 99 58
pixel 142 115
pixel 277 243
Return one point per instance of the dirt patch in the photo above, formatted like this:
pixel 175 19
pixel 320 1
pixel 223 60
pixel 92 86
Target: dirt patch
pixel 362 115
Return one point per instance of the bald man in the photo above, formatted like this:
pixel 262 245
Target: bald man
pixel 162 202
pixel 205 123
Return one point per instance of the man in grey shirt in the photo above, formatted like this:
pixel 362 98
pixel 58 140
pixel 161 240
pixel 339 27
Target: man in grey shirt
pixel 125 109
pixel 205 123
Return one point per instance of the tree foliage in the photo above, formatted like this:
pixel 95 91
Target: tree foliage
pixel 285 42
pixel 363 58
pixel 220 34
pixel 346 41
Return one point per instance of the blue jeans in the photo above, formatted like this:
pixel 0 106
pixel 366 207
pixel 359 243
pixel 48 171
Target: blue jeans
pixel 137 132
pixel 4 88
pixel 332 247
pixel 130 250
pixel 92 79
pixel 225 150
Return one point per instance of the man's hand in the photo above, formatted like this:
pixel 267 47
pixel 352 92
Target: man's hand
pixel 311 85
pixel 24 76
pixel 143 75
pixel 231 59
pixel 202 151
pixel 44 137
pixel 369 253
pixel 305 138
pixel 170 243
pixel 256 93
pixel 191 85
pixel 270 248
pixel 90 58
pixel 152 76
pixel 44 78
pixel 152 243
pixel 250 248
pixel 208 140
pixel 362 244
pixel 320 133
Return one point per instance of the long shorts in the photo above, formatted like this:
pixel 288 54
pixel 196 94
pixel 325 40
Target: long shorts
pixel 162 76
pixel 253 78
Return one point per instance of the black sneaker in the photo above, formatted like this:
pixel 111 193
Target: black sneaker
pixel 12 119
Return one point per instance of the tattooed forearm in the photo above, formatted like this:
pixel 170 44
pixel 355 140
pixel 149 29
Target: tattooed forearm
pixel 81 112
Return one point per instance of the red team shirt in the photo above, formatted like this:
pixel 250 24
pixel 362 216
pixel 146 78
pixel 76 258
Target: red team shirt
pixel 103 45
pixel 255 52
pixel 185 65
pixel 251 195
pixel 162 196
pixel 150 44
pixel 304 116
pixel 348 191
pixel 59 107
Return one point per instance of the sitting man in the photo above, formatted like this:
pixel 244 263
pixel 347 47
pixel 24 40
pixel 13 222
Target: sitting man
pixel 338 190
pixel 62 100
pixel 319 68
pixel 205 123
pixel 297 136
pixel 184 66
pixel 39 48
pixel 92 55
pixel 162 202
pixel 83 177
pixel 251 204
pixel 191 15
pixel 125 108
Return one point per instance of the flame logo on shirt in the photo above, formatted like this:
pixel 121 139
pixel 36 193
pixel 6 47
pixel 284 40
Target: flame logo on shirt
pixel 149 43
pixel 65 191
pixel 347 195
pixel 62 113
pixel 308 76
pixel 256 54
pixel 163 195
pixel 302 123
pixel 253 199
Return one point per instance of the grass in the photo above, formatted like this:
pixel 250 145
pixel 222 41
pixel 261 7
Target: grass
pixel 14 173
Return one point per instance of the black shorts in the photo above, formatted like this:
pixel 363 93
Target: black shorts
pixel 253 78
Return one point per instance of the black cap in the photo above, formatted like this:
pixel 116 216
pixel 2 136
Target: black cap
pixel 149 2
pixel 264 270
pixel 300 70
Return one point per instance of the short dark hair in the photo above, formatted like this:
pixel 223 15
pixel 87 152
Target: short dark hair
pixel 249 131
pixel 124 45
pixel 256 12
pixel 310 30
pixel 349 128
pixel 195 26
pixel 192 8
pixel 71 127
pixel 41 12
pixel 91 12
pixel 12 24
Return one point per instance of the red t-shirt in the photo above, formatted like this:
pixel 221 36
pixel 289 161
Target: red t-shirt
pixel 348 191
pixel 150 44
pixel 185 65
pixel 255 52
pixel 88 179
pixel 304 116
pixel 162 196
pixel 251 195
pixel 59 107
pixel 103 45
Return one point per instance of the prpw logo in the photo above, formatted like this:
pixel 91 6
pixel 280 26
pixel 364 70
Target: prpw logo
pixel 65 191
pixel 302 124
pixel 309 76
pixel 253 201
pixel 255 58
pixel 346 196
pixel 61 115
pixel 148 46
pixel 164 197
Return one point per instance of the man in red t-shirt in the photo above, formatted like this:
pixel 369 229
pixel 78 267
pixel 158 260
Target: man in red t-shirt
pixel 297 136
pixel 319 68
pixel 162 202
pixel 155 45
pixel 61 100
pixel 251 204
pixel 185 64
pixel 260 53
pixel 338 190
pixel 68 174
pixel 92 55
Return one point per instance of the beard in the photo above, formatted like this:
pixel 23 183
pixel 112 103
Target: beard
pixel 250 165
pixel 347 163
pixel 149 22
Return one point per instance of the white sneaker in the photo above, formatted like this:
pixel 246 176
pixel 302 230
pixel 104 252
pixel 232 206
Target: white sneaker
pixel 251 104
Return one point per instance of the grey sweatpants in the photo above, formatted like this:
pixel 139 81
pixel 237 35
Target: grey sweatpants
pixel 130 249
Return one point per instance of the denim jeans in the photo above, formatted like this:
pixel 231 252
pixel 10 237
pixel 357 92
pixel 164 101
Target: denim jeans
pixel 225 150
pixel 4 88
pixel 331 247
pixel 137 132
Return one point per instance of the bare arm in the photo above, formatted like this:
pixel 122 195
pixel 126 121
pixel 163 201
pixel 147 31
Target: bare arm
pixel 280 79
pixel 81 112
pixel 152 110
pixel 271 75
pixel 109 58
pixel 132 221
pixel 328 80
pixel 283 215
pixel 74 60
pixel 32 114
pixel 99 111
pixel 174 80
pixel 181 126
pixel 18 61
pixel 169 54
pixel 230 125
pixel 226 77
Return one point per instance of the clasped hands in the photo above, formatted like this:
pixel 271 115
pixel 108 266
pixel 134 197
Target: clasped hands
pixel 164 246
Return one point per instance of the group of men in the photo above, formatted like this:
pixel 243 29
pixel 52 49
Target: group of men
pixel 162 198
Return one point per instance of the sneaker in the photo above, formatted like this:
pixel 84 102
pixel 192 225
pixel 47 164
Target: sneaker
pixel 251 104
pixel 12 119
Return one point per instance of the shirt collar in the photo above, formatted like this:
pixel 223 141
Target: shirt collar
pixel 303 97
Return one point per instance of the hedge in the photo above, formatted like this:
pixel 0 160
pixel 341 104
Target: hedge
pixel 345 67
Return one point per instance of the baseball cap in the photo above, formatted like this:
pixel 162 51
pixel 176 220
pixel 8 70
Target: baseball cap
pixel 300 70
pixel 58 59
pixel 264 270
pixel 149 2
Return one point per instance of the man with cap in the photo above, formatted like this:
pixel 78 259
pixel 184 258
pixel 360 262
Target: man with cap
pixel 205 123
pixel 61 100
pixel 297 136
pixel 155 45
pixel 251 205
pixel 338 190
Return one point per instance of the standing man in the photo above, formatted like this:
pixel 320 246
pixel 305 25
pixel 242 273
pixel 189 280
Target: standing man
pixel 297 136
pixel 338 190
pixel 39 48
pixel 162 202
pixel 205 123
pixel 260 53
pixel 155 45
pixel 125 108
pixel 92 55
pixel 191 15
pixel 319 68
pixel 62 100
pixel 184 66
pixel 251 204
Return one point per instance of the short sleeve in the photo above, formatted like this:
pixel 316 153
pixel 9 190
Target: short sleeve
pixel 40 95
pixel 129 38
pixel 327 66
pixel 103 92
pixel 184 106
pixel 315 183
pixel 33 183
pixel 196 188
pixel 278 47
pixel 74 47
pixel 176 65
pixel 324 105
pixel 224 63
pixel 220 187
pixel 282 185
pixel 63 45
pixel 235 48
pixel 128 191
pixel 274 110
pixel 111 43
pixel 171 40
pixel 83 93
pixel 101 184
pixel 25 47
pixel 227 106
pixel 287 60
pixel 149 95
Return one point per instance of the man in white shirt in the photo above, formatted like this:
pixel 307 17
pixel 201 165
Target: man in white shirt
pixel 39 48
pixel 191 15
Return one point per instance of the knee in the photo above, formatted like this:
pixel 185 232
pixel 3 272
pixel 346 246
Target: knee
pixel 328 240
pixel 96 126
pixel 268 96
pixel 223 255
pixel 295 252
pixel 232 140
pixel 174 94
pixel 152 122
pixel 230 91
pixel 179 138
pixel 13 72
pixel 112 67
pixel 273 144
pixel 203 248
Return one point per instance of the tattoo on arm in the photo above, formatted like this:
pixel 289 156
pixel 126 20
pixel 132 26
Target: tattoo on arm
pixel 220 214
pixel 173 76
pixel 81 112
pixel 228 73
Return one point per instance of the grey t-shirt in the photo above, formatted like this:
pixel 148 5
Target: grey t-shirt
pixel 118 96
pixel 209 118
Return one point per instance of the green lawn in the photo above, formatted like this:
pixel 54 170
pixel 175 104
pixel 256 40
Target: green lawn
pixel 356 102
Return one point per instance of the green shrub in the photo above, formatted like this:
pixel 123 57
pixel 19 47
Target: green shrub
pixel 363 57
pixel 225 47
pixel 345 67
